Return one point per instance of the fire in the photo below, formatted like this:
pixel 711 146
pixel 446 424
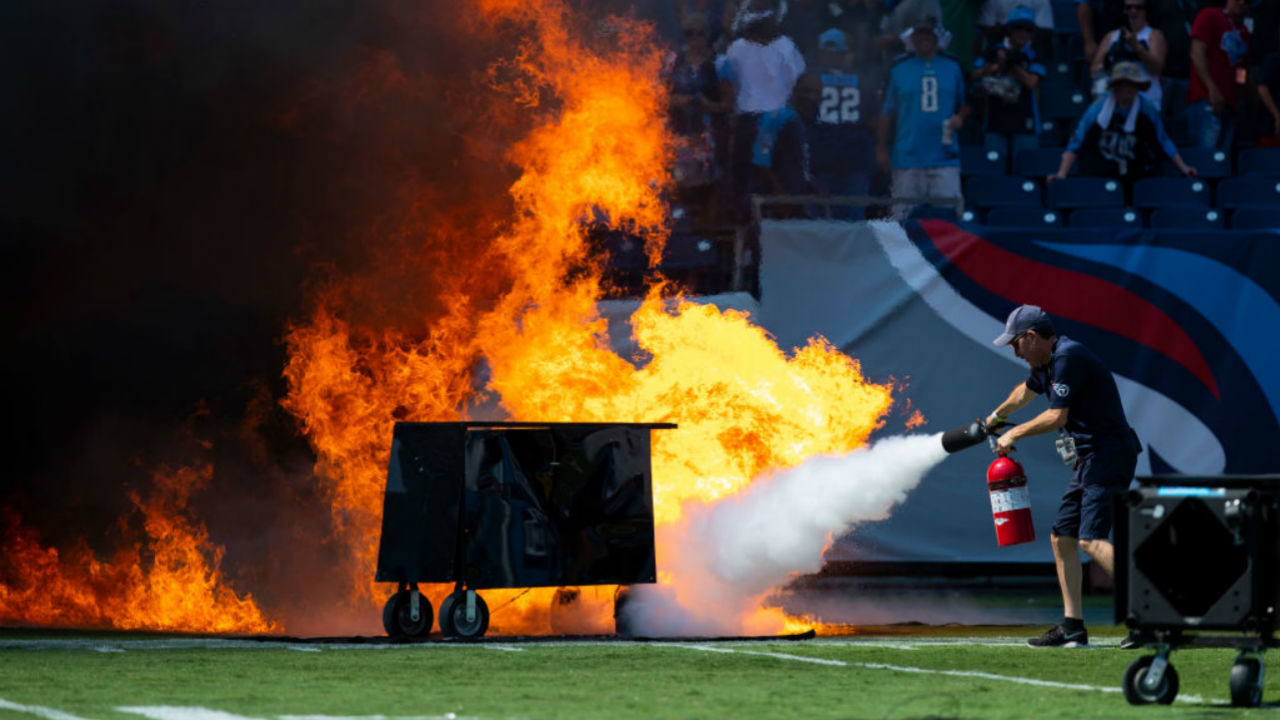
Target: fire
pixel 170 580
pixel 540 350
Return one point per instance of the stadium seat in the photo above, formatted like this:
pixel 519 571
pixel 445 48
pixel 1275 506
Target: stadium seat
pixel 1023 217
pixel 1164 192
pixel 1040 162
pixel 1187 217
pixel 978 160
pixel 988 191
pixel 694 262
pixel 1112 217
pixel 1248 190
pixel 932 212
pixel 1256 217
pixel 1079 192
pixel 1210 163
pixel 1259 161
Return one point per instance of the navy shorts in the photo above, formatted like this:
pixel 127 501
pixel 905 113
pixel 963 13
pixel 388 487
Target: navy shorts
pixel 1086 508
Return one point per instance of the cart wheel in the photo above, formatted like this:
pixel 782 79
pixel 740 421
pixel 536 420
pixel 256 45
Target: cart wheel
pixel 397 616
pixel 1134 691
pixel 1246 681
pixel 453 617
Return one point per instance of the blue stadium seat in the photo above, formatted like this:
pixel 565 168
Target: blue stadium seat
pixel 932 212
pixel 1164 192
pixel 1259 161
pixel 1210 163
pixel 1023 217
pixel 978 160
pixel 1187 217
pixel 684 250
pixel 1112 217
pixel 1248 190
pixel 1256 217
pixel 1079 192
pixel 988 191
pixel 1040 162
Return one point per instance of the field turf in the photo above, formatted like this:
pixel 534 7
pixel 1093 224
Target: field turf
pixel 897 672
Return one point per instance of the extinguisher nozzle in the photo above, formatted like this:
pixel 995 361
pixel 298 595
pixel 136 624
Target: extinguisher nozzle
pixel 967 436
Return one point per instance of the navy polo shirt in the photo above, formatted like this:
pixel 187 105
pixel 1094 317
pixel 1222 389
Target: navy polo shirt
pixel 1076 379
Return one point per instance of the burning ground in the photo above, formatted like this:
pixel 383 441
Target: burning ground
pixel 409 186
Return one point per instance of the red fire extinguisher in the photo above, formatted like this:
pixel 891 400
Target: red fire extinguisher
pixel 1010 501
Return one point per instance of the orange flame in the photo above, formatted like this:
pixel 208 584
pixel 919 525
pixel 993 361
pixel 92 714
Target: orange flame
pixel 542 350
pixel 169 581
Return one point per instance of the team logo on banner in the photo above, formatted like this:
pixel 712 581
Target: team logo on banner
pixel 1174 315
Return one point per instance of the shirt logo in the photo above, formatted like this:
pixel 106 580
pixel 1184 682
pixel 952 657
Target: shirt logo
pixel 1061 389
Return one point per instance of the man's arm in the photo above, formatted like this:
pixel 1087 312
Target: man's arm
pixel 1018 399
pixel 1084 16
pixel 1045 422
pixel 1200 66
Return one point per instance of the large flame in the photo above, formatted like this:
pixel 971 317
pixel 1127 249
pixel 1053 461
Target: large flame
pixel 169 580
pixel 542 350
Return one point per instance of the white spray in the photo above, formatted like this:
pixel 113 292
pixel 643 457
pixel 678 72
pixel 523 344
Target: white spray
pixel 725 556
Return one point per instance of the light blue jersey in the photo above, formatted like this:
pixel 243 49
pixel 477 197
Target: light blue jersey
pixel 921 95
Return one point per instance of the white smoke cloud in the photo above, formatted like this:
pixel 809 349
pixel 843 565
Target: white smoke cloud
pixel 725 556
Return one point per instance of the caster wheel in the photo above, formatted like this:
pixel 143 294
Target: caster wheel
pixel 1136 692
pixel 397 616
pixel 453 617
pixel 1246 681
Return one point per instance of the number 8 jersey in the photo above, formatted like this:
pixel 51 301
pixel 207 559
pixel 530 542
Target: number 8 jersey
pixel 921 95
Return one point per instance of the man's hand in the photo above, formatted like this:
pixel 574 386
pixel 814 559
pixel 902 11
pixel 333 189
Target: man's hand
pixel 1005 444
pixel 955 121
pixel 1216 100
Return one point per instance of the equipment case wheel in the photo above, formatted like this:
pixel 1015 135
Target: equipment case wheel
pixel 1140 692
pixel 397 614
pixel 453 616
pixel 1246 681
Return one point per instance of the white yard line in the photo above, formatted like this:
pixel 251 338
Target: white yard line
pixel 179 712
pixel 1014 679
pixel 37 710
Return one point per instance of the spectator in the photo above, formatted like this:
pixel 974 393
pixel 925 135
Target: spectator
pixel 697 114
pixel 1007 77
pixel 759 71
pixel 839 131
pixel 1219 45
pixel 1121 135
pixel 1135 42
pixel 712 10
pixel 995 14
pixel 925 99
pixel 896 26
pixel 962 17
pixel 1095 17
pixel 780 155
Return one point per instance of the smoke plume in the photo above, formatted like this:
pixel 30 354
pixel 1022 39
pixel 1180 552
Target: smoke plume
pixel 734 551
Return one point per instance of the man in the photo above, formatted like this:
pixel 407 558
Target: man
pixel 1008 77
pixel 1219 46
pixel 1121 135
pixel 840 135
pixel 1095 441
pixel 925 98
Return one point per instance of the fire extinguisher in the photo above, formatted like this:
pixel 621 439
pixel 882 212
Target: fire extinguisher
pixel 1010 501
pixel 1006 483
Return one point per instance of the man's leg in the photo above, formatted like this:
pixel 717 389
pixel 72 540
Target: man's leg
pixel 1066 557
pixel 1103 553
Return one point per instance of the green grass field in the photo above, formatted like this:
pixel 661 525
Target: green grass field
pixel 900 672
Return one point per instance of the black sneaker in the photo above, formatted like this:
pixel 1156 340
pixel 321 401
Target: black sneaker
pixel 1136 640
pixel 1057 636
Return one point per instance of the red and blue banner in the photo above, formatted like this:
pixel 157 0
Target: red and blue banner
pixel 1187 321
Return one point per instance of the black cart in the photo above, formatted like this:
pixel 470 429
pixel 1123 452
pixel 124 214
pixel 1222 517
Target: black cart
pixel 1198 563
pixel 511 505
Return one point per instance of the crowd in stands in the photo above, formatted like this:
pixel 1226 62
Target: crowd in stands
pixel 1023 109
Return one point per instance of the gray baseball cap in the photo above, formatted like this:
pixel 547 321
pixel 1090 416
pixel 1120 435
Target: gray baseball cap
pixel 1022 319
